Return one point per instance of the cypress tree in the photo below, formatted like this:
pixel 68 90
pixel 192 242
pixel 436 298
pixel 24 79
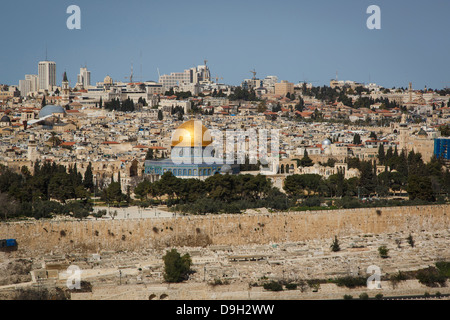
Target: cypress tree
pixel 381 154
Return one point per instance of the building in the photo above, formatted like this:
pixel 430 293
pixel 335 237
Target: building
pixel 51 110
pixel 24 87
pixel 84 78
pixel 168 105
pixel 284 87
pixel 5 121
pixel 269 83
pixel 190 142
pixel 442 148
pixel 65 94
pixel 47 75
pixel 197 75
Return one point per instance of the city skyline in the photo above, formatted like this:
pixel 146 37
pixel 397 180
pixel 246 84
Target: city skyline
pixel 234 38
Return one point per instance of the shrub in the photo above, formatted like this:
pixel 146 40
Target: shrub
pixel 431 277
pixel 410 240
pixel 364 296
pixel 379 296
pixel 273 286
pixel 444 268
pixel 351 282
pixel 383 251
pixel 291 286
pixel 348 297
pixel 396 278
pixel 335 245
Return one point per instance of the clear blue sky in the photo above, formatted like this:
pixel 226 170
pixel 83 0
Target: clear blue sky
pixel 292 39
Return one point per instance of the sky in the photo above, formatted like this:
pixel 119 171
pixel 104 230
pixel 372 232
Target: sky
pixel 293 39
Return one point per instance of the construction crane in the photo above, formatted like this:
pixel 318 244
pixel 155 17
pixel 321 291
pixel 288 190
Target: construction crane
pixel 254 74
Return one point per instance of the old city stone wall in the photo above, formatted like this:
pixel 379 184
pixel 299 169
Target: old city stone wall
pixel 138 234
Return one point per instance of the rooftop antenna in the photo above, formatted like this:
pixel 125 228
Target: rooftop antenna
pixel 46 52
pixel 141 64
pixel 159 74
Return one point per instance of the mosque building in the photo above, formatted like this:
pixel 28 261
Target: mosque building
pixel 190 143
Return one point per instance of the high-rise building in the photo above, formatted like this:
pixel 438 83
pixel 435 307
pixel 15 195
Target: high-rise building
pixel 24 87
pixel 84 78
pixel 34 81
pixel 196 75
pixel 30 84
pixel 47 75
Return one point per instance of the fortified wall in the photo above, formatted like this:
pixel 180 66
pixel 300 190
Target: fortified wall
pixel 139 234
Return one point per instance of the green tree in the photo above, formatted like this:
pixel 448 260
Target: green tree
pixel 381 154
pixel 419 187
pixel 176 267
pixel 89 178
pixel 60 187
pixel 357 139
pixel 306 161
pixel 143 189
pixel 113 193
pixel 262 107
pixel 335 245
pixel 160 115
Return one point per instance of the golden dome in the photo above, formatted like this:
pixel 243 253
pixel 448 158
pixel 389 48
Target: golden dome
pixel 190 134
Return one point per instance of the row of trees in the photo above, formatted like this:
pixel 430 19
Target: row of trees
pixel 243 94
pixel 30 195
pixel 218 193
pixel 421 181
pixel 117 105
